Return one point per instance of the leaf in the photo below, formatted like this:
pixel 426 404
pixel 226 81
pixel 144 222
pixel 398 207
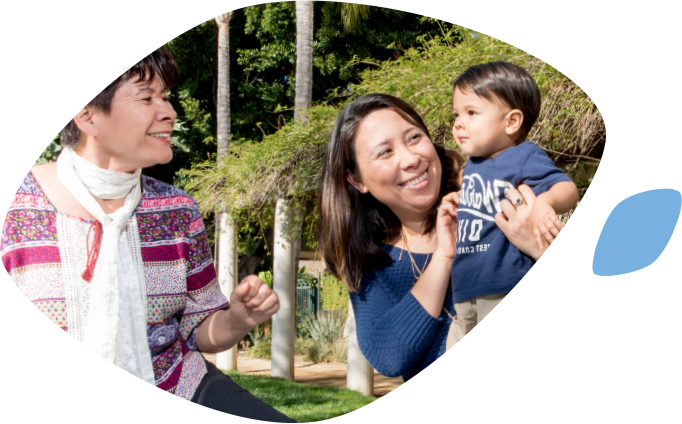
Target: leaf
pixel 618 250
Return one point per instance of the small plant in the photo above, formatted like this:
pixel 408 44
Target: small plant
pixel 262 350
pixel 266 276
pixel 258 335
pixel 326 328
pixel 50 153
pixel 340 350
pixel 312 353
pixel 301 345
pixel 303 323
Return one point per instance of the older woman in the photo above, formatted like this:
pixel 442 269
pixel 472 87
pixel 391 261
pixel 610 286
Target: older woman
pixel 126 256
pixel 388 230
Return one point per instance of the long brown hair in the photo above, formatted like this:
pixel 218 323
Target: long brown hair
pixel 353 224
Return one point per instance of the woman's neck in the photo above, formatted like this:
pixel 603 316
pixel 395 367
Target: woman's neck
pixel 86 150
pixel 417 240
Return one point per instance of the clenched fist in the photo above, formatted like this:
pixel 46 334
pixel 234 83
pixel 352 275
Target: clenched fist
pixel 253 302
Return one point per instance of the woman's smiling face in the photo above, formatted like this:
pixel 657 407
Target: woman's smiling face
pixel 397 164
pixel 136 132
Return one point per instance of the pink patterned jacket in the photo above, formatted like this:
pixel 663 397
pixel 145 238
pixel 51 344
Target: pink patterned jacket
pixel 182 288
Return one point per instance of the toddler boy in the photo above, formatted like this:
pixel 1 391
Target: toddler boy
pixel 495 105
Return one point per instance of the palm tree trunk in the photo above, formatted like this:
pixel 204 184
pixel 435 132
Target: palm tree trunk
pixel 287 250
pixel 226 241
pixel 303 99
pixel 223 116
pixel 304 60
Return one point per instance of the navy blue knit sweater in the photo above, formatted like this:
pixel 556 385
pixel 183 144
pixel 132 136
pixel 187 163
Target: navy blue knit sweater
pixel 395 333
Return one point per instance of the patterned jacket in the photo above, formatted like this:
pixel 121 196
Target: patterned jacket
pixel 182 288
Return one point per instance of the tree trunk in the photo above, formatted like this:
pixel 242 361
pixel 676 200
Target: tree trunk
pixel 304 88
pixel 286 257
pixel 223 115
pixel 304 60
pixel 226 243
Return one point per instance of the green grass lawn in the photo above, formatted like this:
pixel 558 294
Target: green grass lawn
pixel 299 401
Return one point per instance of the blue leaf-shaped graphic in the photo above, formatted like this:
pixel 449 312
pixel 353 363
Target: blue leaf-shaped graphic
pixel 637 232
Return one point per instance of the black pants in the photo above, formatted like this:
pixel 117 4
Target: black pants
pixel 218 391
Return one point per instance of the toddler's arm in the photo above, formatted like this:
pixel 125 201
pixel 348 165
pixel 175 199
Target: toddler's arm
pixel 557 200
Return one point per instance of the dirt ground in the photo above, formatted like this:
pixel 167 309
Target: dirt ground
pixel 323 374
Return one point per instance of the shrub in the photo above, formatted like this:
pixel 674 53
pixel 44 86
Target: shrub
pixel 301 345
pixel 303 323
pixel 328 341
pixel 333 294
pixel 262 350
pixel 340 350
pixel 326 328
pixel 312 353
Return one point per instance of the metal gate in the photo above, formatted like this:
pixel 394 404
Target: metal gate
pixel 308 295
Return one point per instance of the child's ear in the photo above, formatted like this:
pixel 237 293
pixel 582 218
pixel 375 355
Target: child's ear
pixel 514 120
pixel 355 182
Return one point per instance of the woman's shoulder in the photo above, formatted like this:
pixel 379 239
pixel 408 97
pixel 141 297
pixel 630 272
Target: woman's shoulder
pixel 30 194
pixel 164 196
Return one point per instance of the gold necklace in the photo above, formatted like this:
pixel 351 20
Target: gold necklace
pixel 414 264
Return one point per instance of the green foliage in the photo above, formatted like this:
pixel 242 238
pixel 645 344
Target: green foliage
pixel 301 402
pixel 50 153
pixel 262 350
pixel 326 340
pixel 286 163
pixel 312 353
pixel 301 345
pixel 327 328
pixel 334 294
pixel 303 323
pixel 336 351
pixel 266 276
pixel 289 162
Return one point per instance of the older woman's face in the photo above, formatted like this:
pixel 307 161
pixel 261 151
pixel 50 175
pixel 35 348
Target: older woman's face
pixel 397 164
pixel 136 133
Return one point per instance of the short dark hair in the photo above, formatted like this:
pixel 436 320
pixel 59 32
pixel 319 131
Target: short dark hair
pixel 352 224
pixel 160 63
pixel 505 82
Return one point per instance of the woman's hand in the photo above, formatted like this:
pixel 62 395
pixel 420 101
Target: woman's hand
pixel 253 302
pixel 515 222
pixel 446 226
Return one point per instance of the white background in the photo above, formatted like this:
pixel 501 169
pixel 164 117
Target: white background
pixel 565 346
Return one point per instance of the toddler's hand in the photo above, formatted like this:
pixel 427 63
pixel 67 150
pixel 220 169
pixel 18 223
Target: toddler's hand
pixel 546 224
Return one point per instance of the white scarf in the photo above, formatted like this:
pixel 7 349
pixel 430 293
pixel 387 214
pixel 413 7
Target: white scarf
pixel 117 319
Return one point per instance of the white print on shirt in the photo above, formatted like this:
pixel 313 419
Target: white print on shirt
pixel 473 249
pixel 476 193
pixel 474 230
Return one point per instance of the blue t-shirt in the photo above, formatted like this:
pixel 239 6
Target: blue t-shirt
pixel 486 262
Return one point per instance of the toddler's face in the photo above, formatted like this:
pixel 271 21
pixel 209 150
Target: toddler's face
pixel 480 127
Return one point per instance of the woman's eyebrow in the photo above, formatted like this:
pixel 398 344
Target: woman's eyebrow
pixel 147 89
pixel 380 145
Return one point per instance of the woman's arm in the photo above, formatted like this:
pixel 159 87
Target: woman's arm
pixel 251 303
pixel 515 222
pixel 394 336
